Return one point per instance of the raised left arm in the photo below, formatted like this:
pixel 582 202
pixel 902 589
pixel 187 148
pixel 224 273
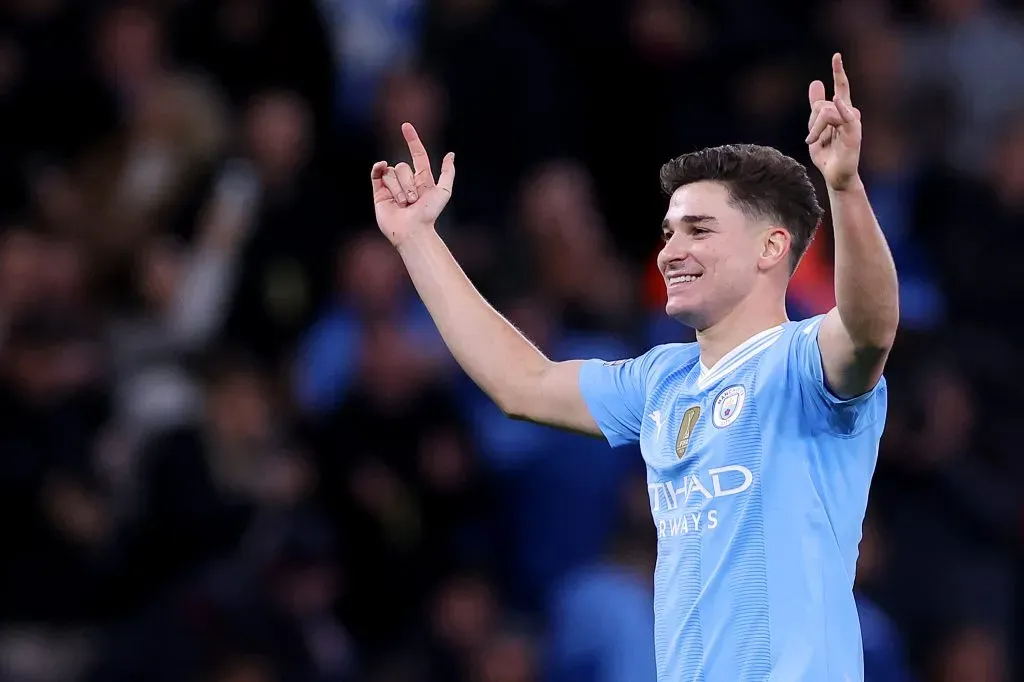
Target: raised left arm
pixel 856 336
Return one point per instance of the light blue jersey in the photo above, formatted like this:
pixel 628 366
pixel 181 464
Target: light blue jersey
pixel 758 481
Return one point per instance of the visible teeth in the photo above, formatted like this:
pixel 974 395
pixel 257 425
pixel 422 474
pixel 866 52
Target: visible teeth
pixel 679 279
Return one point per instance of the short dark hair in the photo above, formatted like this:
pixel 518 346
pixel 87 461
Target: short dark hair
pixel 762 182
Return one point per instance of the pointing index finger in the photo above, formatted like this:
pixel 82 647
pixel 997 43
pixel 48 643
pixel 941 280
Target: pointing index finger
pixel 842 83
pixel 420 159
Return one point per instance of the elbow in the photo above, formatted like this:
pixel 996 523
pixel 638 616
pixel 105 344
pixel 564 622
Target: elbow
pixel 884 334
pixel 509 407
pixel 518 411
pixel 889 320
pixel 873 331
pixel 881 338
pixel 515 405
pixel 517 415
pixel 875 345
pixel 523 397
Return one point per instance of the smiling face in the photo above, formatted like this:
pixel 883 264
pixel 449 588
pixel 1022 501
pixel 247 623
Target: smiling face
pixel 739 218
pixel 715 256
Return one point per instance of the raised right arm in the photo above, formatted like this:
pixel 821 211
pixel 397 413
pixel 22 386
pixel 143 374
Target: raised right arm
pixel 504 364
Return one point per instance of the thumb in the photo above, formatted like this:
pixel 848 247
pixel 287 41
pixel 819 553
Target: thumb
pixel 447 178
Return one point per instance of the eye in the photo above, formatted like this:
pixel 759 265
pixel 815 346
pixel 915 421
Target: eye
pixel 701 232
pixel 666 235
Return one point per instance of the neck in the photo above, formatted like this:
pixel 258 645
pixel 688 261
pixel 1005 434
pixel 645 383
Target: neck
pixel 752 317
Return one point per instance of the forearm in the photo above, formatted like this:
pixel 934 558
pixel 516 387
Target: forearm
pixel 493 353
pixel 867 293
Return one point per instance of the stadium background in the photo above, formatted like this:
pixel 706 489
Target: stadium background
pixel 232 448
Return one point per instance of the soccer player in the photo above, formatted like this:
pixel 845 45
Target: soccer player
pixel 761 438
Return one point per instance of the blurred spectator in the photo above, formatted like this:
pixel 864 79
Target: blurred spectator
pixel 509 656
pixel 602 627
pixel 56 518
pixel 369 39
pixel 206 486
pixel 464 617
pixel 894 179
pixel 971 655
pixel 184 293
pixel 555 487
pixel 174 131
pixel 404 486
pixel 371 285
pixel 253 45
pixel 949 514
pixel 286 261
pixel 885 657
pixel 20 251
pixel 960 51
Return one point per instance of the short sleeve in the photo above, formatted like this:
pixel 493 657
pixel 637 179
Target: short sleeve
pixel 615 394
pixel 842 417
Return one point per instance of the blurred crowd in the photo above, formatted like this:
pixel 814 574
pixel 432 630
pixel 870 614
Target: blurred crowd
pixel 233 447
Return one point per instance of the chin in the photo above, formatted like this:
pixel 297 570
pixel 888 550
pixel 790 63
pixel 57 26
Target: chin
pixel 683 312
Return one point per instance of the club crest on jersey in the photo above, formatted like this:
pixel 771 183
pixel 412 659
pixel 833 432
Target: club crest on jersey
pixel 686 427
pixel 728 405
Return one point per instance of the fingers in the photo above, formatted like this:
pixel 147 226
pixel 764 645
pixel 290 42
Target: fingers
pixel 420 159
pixel 841 81
pixel 395 186
pixel 405 179
pixel 380 190
pixel 815 110
pixel 823 140
pixel 848 112
pixel 816 93
pixel 447 179
pixel 817 97
pixel 397 183
pixel 405 184
pixel 826 115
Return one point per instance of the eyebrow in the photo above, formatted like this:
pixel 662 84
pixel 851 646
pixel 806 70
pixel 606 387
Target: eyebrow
pixel 689 220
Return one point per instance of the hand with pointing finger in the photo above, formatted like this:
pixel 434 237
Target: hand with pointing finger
pixel 406 199
pixel 834 130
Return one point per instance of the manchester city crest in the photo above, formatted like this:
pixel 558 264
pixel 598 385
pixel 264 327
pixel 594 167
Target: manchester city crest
pixel 728 405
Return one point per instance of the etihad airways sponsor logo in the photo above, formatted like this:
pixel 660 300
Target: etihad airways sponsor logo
pixel 681 507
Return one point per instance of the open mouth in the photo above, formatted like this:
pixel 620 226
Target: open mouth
pixel 676 280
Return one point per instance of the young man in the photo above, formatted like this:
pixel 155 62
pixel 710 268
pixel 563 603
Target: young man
pixel 760 439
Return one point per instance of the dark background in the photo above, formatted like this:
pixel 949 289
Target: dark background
pixel 232 446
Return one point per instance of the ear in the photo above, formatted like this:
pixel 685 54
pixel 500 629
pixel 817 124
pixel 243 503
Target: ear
pixel 775 246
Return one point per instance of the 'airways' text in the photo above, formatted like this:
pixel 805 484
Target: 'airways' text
pixel 671 506
pixel 692 522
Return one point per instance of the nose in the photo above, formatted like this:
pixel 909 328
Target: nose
pixel 675 249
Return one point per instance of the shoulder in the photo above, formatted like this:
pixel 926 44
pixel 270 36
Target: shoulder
pixel 656 362
pixel 805 361
pixel 796 369
pixel 639 375
pixel 671 356
pixel 803 329
pixel 796 346
pixel 663 362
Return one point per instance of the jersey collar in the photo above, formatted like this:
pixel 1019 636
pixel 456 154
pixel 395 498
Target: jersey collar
pixel 738 356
